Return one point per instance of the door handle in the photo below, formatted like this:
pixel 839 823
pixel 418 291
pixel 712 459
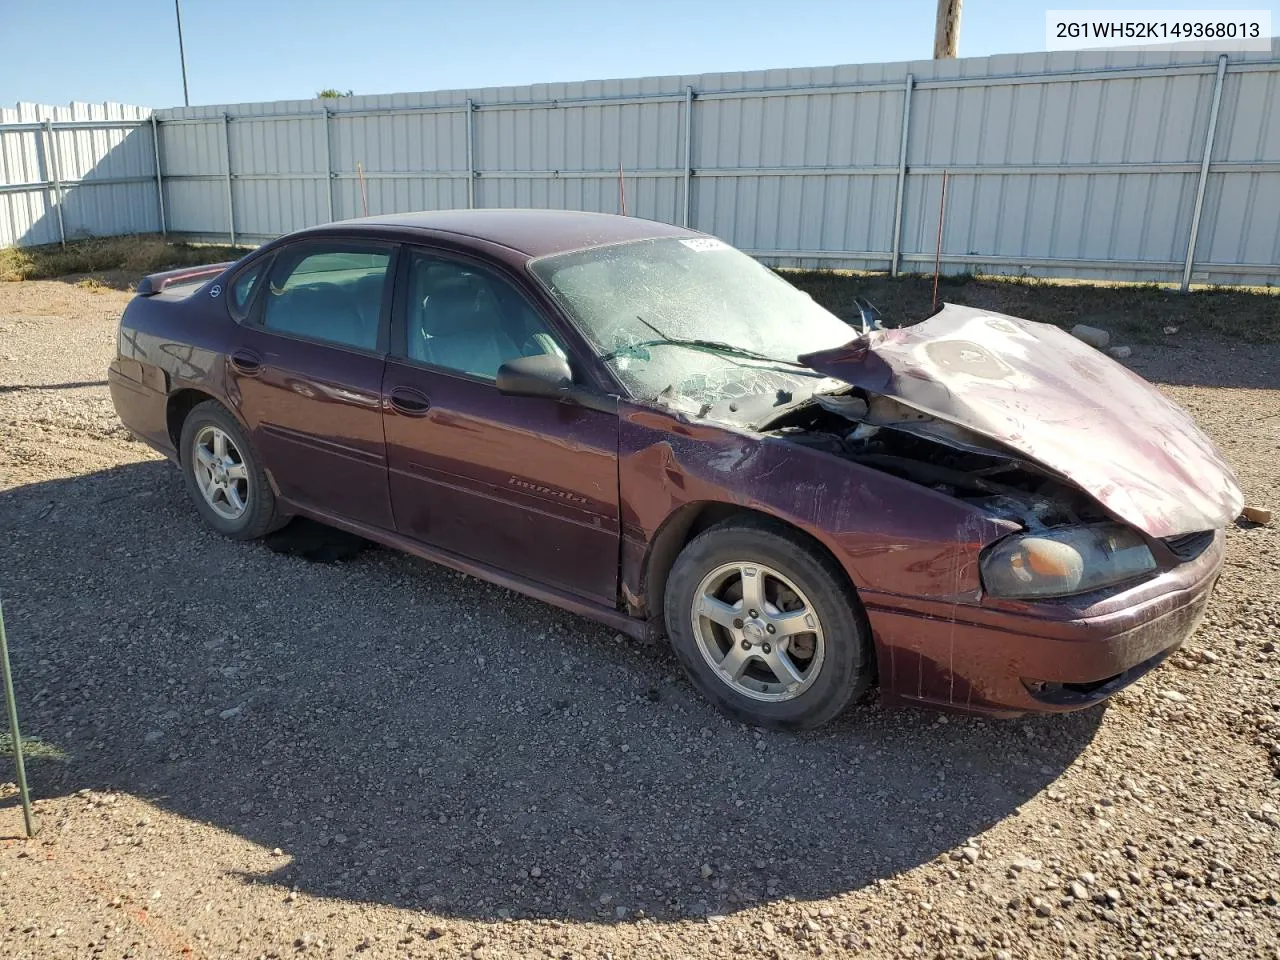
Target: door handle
pixel 246 362
pixel 410 402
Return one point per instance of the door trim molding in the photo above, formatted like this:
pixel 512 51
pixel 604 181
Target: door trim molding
pixel 609 616
pixel 510 494
pixel 328 446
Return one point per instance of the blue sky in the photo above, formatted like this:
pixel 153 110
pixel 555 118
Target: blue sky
pixel 245 50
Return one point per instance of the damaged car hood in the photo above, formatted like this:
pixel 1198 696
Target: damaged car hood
pixel 1038 390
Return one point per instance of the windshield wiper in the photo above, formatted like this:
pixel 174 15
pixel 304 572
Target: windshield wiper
pixel 713 346
pixel 694 343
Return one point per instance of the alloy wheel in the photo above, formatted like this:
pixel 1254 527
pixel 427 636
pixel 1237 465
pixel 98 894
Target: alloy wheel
pixel 758 631
pixel 220 472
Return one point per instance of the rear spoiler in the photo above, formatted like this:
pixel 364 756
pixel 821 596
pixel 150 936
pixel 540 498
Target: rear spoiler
pixel 156 282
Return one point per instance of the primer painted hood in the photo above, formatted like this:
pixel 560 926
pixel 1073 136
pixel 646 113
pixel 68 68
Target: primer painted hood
pixel 1057 401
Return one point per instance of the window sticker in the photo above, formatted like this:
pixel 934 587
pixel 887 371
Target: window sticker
pixel 704 244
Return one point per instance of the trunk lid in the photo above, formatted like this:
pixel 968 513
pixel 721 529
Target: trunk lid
pixel 155 283
pixel 1057 401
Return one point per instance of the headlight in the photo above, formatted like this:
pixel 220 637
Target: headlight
pixel 1057 563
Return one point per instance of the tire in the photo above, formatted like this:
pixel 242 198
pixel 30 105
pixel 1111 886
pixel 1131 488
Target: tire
pixel 814 674
pixel 258 515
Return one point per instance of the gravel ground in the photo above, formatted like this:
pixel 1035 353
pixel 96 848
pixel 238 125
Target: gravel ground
pixel 266 757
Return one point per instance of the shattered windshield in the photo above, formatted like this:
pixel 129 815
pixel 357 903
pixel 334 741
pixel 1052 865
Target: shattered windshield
pixel 693 319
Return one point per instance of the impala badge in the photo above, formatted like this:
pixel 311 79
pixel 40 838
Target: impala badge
pixel 542 491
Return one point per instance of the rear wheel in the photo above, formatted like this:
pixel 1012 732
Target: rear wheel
pixel 223 475
pixel 765 625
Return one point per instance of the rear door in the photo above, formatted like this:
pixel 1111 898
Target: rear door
pixel 306 374
pixel 527 485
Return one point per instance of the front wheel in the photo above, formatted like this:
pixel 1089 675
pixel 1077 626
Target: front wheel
pixel 223 476
pixel 766 626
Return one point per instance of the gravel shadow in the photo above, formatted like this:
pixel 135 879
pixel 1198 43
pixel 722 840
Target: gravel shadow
pixel 410 736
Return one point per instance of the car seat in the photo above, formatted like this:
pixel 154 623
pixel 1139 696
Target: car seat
pixel 324 311
pixel 461 329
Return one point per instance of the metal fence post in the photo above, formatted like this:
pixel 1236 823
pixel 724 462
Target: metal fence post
pixel 11 704
pixel 1204 173
pixel 155 146
pixel 51 158
pixel 902 177
pixel 328 165
pixel 688 155
pixel 471 154
pixel 231 207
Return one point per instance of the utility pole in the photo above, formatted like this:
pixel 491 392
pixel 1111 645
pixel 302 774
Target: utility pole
pixel 182 56
pixel 946 37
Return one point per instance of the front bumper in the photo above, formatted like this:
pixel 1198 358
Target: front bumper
pixel 1007 658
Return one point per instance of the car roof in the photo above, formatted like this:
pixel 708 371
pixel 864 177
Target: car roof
pixel 535 233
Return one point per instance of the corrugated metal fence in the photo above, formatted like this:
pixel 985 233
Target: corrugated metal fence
pixel 82 170
pixel 1102 164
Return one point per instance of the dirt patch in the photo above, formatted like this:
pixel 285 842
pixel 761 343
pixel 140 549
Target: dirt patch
pixel 266 757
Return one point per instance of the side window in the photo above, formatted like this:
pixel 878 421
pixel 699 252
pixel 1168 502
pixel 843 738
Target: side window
pixel 243 287
pixel 470 320
pixel 327 293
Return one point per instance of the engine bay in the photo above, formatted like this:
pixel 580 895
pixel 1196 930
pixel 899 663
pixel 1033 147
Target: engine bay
pixel 881 433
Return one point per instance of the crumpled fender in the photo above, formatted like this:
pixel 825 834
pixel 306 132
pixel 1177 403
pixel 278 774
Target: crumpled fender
pixel 891 535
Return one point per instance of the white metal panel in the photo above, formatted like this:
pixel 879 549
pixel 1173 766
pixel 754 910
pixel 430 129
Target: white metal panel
pixel 395 194
pixel 1241 220
pixel 193 149
pixel 100 156
pixel 1068 163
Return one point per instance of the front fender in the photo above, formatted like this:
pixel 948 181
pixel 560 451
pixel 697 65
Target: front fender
pixel 890 536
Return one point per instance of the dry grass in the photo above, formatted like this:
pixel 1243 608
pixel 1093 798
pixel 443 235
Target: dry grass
pixel 118 262
pixel 33 748
pixel 1135 313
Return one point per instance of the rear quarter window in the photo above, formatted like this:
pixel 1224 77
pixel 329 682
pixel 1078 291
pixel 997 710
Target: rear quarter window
pixel 330 295
pixel 243 287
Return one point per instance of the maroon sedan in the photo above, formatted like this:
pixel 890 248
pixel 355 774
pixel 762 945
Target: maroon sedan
pixel 639 423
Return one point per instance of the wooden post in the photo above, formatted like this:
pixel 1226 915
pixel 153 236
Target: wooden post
pixel 946 36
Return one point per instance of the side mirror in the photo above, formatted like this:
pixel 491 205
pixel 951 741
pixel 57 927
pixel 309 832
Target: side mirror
pixel 543 375
pixel 548 375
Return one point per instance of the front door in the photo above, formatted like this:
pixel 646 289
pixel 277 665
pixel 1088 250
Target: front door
pixel 307 376
pixel 527 485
